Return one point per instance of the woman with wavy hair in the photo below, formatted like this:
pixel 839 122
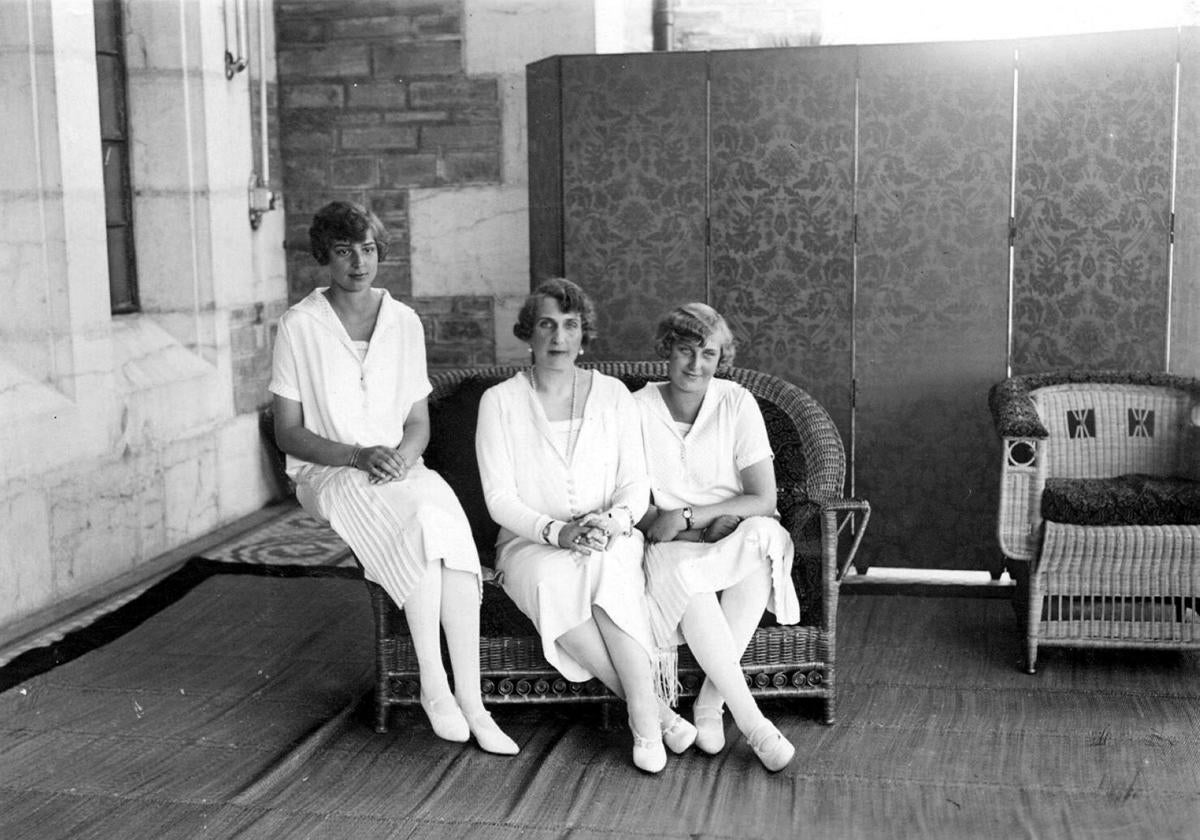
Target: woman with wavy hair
pixel 711 526
pixel 560 456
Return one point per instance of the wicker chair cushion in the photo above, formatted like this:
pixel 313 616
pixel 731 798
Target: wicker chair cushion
pixel 451 451
pixel 1135 499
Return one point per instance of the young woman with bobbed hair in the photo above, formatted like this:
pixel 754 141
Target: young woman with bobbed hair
pixel 350 400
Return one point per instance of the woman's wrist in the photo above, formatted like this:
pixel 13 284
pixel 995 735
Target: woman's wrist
pixel 551 531
pixel 353 462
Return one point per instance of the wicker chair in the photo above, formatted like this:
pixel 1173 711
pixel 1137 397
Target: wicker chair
pixel 1100 507
pixel 781 661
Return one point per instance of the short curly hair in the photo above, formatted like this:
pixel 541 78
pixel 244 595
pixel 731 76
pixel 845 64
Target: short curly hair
pixel 570 298
pixel 696 322
pixel 344 221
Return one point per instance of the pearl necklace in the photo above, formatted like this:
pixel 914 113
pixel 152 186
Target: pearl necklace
pixel 572 433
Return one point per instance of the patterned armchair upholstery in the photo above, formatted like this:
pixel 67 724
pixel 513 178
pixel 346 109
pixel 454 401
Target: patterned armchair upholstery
pixel 1100 506
pixel 781 661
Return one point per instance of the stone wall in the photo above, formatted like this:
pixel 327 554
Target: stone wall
pixel 127 436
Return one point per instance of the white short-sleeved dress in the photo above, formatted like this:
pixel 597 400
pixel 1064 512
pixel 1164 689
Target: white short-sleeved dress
pixel 361 393
pixel 701 465
pixel 528 482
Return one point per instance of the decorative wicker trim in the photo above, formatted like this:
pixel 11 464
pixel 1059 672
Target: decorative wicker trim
pixel 1011 401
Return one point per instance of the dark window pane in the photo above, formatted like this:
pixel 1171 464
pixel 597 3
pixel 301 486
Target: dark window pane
pixel 121 288
pixel 114 149
pixel 116 212
pixel 108 25
pixel 111 82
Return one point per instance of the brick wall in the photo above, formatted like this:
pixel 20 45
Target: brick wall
pixel 374 102
pixel 251 337
pixel 458 329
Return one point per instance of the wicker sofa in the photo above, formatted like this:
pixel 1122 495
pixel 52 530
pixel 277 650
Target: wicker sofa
pixel 780 661
pixel 1100 507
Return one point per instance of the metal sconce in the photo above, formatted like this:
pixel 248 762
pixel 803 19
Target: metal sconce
pixel 235 64
pixel 261 198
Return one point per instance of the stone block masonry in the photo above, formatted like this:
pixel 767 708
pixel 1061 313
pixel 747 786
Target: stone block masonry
pixel 374 102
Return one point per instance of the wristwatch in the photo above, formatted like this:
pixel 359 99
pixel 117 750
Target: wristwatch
pixel 687 516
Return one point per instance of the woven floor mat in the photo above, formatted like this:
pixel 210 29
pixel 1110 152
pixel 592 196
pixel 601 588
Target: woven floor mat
pixel 242 709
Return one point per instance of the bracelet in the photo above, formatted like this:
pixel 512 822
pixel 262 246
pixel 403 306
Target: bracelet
pixel 546 532
pixel 628 518
pixel 354 457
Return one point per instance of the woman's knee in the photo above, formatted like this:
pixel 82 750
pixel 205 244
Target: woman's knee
pixel 759 528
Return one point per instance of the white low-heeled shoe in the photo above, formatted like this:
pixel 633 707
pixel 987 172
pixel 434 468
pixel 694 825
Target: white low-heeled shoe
pixel 772 749
pixel 649 755
pixel 490 736
pixel 710 728
pixel 678 735
pixel 446 718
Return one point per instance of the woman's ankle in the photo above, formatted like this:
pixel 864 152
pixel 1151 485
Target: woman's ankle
pixel 748 723
pixel 708 697
pixel 470 705
pixel 644 718
pixel 434 686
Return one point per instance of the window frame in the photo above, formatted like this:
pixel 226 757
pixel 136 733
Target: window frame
pixel 112 92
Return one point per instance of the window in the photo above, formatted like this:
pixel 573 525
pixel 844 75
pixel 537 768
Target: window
pixel 114 146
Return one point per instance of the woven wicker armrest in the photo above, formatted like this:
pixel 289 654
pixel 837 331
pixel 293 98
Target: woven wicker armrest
pixel 1017 421
pixel 858 512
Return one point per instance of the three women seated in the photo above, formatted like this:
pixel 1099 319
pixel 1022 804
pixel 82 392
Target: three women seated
pixel 628 522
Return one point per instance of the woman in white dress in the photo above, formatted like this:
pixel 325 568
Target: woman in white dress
pixel 560 458
pixel 711 526
pixel 350 399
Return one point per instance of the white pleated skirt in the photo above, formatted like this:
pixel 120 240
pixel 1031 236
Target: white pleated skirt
pixel 557 589
pixel 396 528
pixel 677 571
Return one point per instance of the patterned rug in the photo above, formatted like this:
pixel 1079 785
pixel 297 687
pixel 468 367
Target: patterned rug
pixel 295 538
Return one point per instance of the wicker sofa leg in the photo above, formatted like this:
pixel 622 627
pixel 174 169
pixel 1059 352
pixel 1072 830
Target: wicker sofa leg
pixel 383 632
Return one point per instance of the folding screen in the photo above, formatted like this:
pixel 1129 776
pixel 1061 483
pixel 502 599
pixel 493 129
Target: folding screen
pixel 632 157
pixel 935 152
pixel 634 174
pixel 1185 303
pixel 543 93
pixel 1094 137
pixel 781 204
